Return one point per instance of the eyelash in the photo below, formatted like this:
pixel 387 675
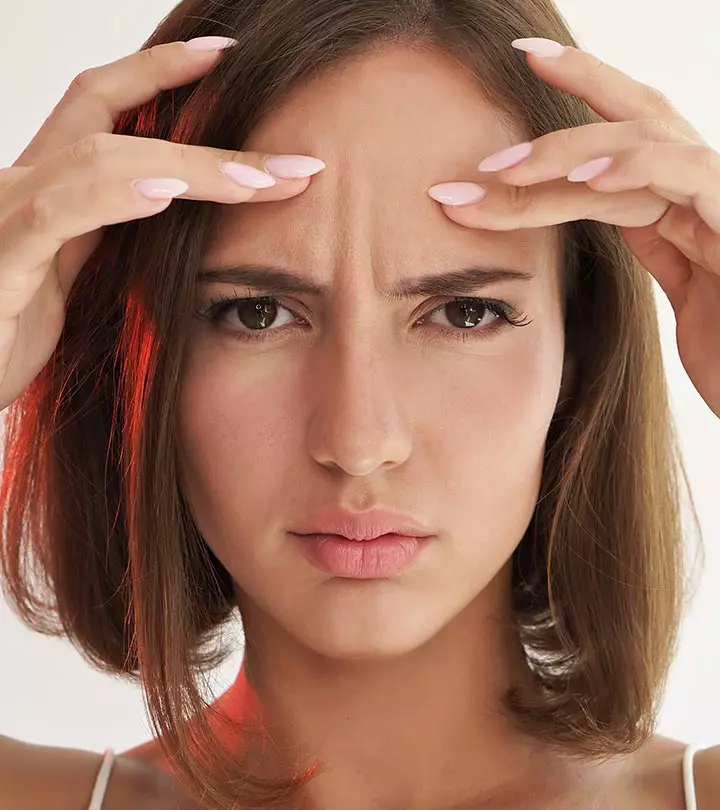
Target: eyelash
pixel 507 316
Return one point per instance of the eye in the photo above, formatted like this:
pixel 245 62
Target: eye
pixel 256 315
pixel 466 316
pixel 259 314
pixel 466 313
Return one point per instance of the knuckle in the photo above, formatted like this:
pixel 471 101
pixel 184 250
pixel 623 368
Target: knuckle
pixel 85 83
pixel 522 201
pixel 233 156
pixel 657 100
pixel 93 148
pixel 596 69
pixel 563 154
pixel 555 143
pixel 37 213
pixel 155 63
pixel 185 152
pixel 708 158
pixel 192 159
pixel 149 55
pixel 654 129
pixel 566 138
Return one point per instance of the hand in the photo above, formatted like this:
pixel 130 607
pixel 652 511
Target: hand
pixel 649 172
pixel 76 177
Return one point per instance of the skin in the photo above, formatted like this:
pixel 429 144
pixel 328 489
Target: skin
pixel 453 433
pixel 35 776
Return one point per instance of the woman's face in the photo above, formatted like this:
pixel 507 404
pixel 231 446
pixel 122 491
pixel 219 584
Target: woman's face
pixel 361 406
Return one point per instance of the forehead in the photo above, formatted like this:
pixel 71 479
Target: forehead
pixel 388 124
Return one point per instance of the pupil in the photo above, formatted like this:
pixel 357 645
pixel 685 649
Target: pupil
pixel 257 314
pixel 465 314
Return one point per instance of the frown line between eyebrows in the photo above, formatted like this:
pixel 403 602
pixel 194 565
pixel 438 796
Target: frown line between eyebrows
pixel 277 281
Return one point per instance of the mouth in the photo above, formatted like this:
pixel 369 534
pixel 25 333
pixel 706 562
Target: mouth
pixel 380 557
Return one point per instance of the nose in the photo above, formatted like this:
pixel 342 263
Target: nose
pixel 359 423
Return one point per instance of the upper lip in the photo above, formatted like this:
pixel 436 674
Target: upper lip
pixel 368 525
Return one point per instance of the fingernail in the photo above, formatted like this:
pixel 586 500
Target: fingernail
pixel 160 188
pixel 539 46
pixel 457 193
pixel 506 158
pixel 586 171
pixel 292 166
pixel 210 43
pixel 247 175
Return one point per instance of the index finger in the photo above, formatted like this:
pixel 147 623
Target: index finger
pixel 98 95
pixel 611 93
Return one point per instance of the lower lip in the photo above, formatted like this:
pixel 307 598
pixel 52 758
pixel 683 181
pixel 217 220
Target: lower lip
pixel 385 556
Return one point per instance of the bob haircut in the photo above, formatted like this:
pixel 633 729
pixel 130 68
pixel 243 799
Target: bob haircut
pixel 98 542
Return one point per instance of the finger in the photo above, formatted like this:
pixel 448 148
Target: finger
pixel 11 175
pixel 555 155
pixel 97 96
pixel 670 260
pixel 611 93
pixel 508 208
pixel 108 158
pixel 32 233
pixel 688 174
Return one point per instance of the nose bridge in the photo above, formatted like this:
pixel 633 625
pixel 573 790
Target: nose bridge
pixel 359 420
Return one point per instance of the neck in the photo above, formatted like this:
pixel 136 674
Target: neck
pixel 422 730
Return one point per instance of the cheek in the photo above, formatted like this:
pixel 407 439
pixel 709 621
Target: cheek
pixel 237 432
pixel 499 403
pixel 484 429
pixel 479 420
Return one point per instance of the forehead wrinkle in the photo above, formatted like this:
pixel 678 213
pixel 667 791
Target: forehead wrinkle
pixel 339 247
pixel 369 208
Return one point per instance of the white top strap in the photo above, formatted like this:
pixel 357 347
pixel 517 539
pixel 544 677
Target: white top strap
pixel 102 779
pixel 689 777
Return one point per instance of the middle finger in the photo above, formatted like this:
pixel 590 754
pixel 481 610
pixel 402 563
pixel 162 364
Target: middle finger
pixel 114 157
pixel 505 208
pixel 556 154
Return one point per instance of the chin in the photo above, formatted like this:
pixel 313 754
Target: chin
pixel 348 646
pixel 367 629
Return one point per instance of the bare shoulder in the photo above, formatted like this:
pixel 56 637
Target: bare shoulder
pixel 149 752
pixel 656 776
pixel 707 778
pixel 140 779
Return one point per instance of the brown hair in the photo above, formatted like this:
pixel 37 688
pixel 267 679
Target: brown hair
pixel 90 489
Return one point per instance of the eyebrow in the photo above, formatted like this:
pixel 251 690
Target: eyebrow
pixel 276 280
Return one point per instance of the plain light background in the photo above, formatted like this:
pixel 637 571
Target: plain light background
pixel 48 694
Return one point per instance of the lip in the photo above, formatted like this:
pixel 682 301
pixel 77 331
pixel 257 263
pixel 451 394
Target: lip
pixel 381 558
pixel 361 526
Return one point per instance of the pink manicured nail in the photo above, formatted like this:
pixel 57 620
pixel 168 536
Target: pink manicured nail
pixel 246 175
pixel 457 193
pixel 161 188
pixel 506 158
pixel 539 46
pixel 586 171
pixel 210 43
pixel 292 166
